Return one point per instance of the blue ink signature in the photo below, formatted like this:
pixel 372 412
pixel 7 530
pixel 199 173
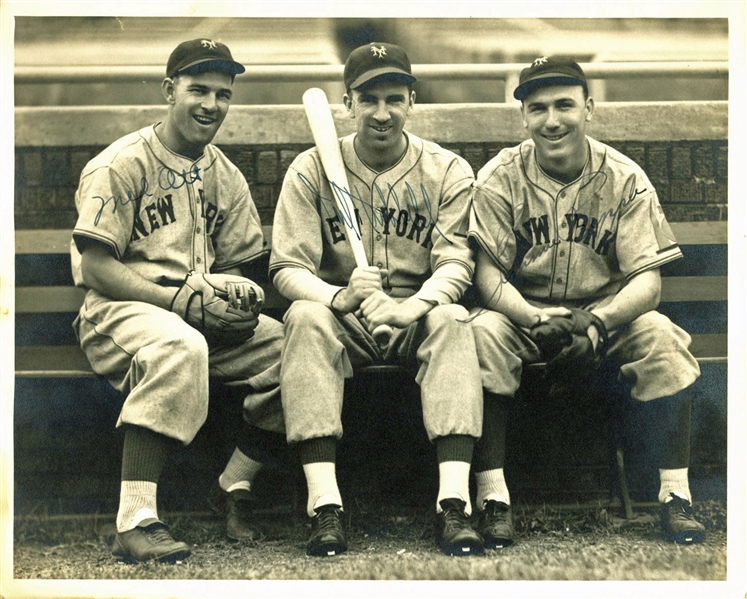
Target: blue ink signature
pixel 167 179
pixel 377 218
pixel 612 213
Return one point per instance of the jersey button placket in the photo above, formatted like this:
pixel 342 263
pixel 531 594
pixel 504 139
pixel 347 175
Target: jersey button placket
pixel 198 237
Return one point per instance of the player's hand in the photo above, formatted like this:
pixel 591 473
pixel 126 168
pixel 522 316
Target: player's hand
pixel 363 282
pixel 380 309
pixel 544 314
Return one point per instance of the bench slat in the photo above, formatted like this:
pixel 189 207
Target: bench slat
pixel 69 299
pixel 694 289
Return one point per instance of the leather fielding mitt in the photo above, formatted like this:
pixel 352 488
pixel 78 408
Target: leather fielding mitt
pixel 224 308
pixel 566 347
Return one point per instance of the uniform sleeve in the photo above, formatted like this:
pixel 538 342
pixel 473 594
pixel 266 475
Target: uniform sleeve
pixel 491 222
pixel 239 238
pixel 106 204
pixel 452 263
pixel 644 237
pixel 296 229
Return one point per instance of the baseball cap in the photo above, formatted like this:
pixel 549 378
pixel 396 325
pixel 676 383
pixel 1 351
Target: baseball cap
pixel 202 50
pixel 374 60
pixel 553 70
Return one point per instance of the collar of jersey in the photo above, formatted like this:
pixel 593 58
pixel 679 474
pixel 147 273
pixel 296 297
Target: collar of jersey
pixel 171 159
pixel 406 163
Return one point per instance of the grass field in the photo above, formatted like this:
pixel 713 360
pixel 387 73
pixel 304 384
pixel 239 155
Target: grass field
pixel 554 543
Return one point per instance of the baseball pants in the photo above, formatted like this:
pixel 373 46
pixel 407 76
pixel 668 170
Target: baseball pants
pixel 651 350
pixel 163 365
pixel 321 350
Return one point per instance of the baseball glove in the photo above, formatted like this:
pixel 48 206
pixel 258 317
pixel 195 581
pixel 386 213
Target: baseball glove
pixel 224 308
pixel 565 345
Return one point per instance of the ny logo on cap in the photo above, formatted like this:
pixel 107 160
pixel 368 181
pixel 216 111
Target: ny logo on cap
pixel 208 44
pixel 378 52
pixel 539 61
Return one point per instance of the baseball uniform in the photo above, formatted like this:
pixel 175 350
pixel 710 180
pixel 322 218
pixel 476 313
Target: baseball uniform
pixel 412 219
pixel 163 215
pixel 576 245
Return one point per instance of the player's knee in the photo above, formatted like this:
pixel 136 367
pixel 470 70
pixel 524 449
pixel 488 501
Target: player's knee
pixel 490 326
pixel 190 346
pixel 304 314
pixel 449 315
pixel 659 330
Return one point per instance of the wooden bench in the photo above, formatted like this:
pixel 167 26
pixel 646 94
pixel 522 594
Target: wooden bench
pixel 694 294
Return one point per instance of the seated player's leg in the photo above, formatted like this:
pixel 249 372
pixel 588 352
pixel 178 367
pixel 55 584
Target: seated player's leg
pixel 502 349
pixel 451 395
pixel 320 352
pixel 655 358
pixel 144 352
pixel 252 368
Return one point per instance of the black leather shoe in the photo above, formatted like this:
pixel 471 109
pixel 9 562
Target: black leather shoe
pixel 327 532
pixel 454 534
pixel 678 522
pixel 237 507
pixel 150 540
pixel 495 525
pixel 240 523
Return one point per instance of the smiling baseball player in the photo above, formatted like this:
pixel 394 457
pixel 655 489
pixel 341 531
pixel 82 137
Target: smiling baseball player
pixel 165 225
pixel 570 237
pixel 411 200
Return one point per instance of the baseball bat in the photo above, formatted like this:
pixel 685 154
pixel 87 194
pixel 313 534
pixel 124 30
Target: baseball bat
pixel 323 129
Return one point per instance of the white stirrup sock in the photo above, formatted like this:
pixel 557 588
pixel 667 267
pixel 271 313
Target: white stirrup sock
pixel 321 481
pixel 453 482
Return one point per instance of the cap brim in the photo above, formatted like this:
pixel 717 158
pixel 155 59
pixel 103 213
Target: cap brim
pixel 523 90
pixel 374 73
pixel 229 66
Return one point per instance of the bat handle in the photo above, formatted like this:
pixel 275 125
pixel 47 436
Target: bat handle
pixel 382 334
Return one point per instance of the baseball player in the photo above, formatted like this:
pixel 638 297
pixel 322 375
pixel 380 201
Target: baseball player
pixel 570 236
pixel 165 225
pixel 411 202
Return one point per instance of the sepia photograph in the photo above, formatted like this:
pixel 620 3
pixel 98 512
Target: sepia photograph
pixel 356 300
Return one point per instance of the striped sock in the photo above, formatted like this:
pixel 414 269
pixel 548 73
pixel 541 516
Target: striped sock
pixel 491 485
pixel 239 473
pixel 673 481
pixel 137 501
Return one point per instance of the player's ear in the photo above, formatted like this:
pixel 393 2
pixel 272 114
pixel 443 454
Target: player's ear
pixel 411 103
pixel 347 99
pixel 524 115
pixel 589 108
pixel 167 87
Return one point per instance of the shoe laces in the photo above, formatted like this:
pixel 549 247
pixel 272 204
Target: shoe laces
pixel 680 508
pixel 158 533
pixel 495 508
pixel 328 518
pixel 454 515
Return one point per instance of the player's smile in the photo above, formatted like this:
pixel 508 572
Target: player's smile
pixel 380 111
pixel 199 104
pixel 556 117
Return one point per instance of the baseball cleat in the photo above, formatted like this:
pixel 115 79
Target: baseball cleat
pixel 495 525
pixel 327 532
pixel 678 522
pixel 454 535
pixel 148 541
pixel 237 507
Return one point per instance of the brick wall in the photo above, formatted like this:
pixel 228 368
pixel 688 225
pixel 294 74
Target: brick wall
pixel 682 146
pixel 690 177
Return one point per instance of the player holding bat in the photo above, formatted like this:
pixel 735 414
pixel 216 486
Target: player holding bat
pixel 409 205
